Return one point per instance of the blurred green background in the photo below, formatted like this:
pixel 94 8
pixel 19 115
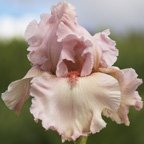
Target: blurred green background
pixel 21 129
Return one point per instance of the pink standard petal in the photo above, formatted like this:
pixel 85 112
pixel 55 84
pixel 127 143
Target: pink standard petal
pixel 44 48
pixel 67 53
pixel 129 83
pixel 36 31
pixel 43 44
pixel 18 91
pixel 47 42
pixel 107 47
pixel 76 55
pixel 73 111
pixel 79 43
pixel 88 64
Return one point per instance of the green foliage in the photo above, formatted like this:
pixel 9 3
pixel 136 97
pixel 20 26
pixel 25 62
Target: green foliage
pixel 13 61
pixel 22 129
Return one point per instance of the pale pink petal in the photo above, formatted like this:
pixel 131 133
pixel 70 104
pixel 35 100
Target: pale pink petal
pixel 47 43
pixel 18 91
pixel 107 47
pixel 78 42
pixel 76 55
pixel 128 82
pixel 35 32
pixel 47 50
pixel 37 57
pixel 61 9
pixel 67 53
pixel 68 27
pixel 88 64
pixel 73 110
pixel 32 34
pixel 43 45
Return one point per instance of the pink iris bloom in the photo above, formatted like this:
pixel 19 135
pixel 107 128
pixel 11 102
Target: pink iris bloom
pixel 72 81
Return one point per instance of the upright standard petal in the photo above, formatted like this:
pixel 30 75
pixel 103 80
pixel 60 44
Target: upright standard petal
pixel 109 52
pixel 74 110
pixel 18 91
pixel 78 49
pixel 58 44
pixel 42 39
pixel 128 82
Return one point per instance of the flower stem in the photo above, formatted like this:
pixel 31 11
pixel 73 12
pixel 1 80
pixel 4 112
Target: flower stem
pixel 82 140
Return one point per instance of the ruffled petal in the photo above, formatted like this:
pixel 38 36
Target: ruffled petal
pixel 78 44
pixel 128 82
pixel 73 110
pixel 76 55
pixel 42 39
pixel 31 33
pixel 61 9
pixel 67 54
pixel 18 91
pixel 107 47
pixel 36 31
pixel 47 40
pixel 89 58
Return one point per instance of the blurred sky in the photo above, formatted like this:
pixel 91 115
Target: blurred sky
pixel 121 16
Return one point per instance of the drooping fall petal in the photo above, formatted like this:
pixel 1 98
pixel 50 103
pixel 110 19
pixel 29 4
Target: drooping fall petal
pixel 128 82
pixel 18 91
pixel 74 110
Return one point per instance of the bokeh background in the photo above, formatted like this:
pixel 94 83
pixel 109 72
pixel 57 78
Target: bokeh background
pixel 125 18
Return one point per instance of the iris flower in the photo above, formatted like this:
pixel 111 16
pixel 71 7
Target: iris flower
pixel 72 82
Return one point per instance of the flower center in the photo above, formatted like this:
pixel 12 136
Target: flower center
pixel 73 77
pixel 76 67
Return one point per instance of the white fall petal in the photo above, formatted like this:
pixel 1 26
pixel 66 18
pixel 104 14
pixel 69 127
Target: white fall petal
pixel 74 110
pixel 18 91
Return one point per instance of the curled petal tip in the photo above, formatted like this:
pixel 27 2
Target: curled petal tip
pixel 18 91
pixel 107 47
pixel 138 105
pixel 128 82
